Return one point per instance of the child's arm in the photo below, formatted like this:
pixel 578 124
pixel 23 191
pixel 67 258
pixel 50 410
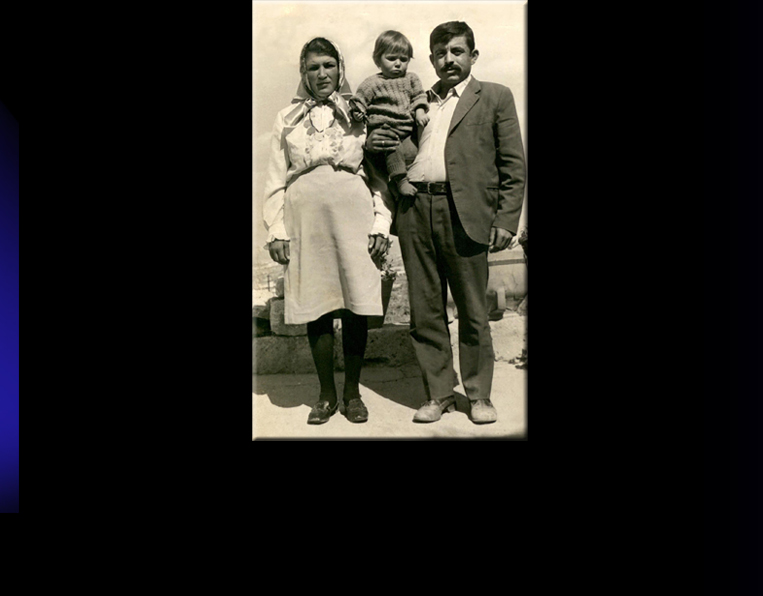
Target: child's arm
pixel 419 101
pixel 357 108
pixel 363 98
pixel 422 118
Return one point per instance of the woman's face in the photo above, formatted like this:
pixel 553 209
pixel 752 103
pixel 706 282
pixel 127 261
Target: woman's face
pixel 322 74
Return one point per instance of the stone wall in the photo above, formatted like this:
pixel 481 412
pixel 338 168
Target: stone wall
pixel 278 348
pixel 389 346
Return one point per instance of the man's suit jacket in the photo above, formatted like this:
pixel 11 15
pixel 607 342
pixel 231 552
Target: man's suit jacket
pixel 485 160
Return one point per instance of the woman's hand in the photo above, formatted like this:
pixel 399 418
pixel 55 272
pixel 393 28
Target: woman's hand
pixel 279 251
pixel 377 247
pixel 382 140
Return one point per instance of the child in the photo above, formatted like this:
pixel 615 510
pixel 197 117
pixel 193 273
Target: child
pixel 393 97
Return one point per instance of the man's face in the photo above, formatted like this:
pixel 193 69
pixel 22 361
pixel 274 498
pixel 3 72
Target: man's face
pixel 453 61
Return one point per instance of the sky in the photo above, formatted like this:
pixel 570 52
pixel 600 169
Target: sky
pixel 280 29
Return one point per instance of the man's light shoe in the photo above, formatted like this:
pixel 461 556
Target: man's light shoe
pixel 433 409
pixel 483 412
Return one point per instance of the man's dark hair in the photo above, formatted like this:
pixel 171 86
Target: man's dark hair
pixel 447 31
pixel 322 46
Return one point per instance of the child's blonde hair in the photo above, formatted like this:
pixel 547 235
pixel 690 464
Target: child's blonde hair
pixel 389 42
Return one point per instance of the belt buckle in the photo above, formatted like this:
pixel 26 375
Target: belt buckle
pixel 429 188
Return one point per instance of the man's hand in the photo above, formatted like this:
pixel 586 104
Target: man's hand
pixel 499 239
pixel 382 140
pixel 279 251
pixel 377 247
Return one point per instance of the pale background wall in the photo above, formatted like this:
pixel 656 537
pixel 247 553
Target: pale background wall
pixel 280 29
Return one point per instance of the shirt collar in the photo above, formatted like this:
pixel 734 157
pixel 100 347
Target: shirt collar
pixel 458 90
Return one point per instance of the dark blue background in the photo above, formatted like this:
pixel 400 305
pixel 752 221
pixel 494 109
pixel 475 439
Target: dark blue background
pixel 9 311
pixel 733 365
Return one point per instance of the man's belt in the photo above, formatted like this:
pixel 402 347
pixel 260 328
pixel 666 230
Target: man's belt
pixel 432 188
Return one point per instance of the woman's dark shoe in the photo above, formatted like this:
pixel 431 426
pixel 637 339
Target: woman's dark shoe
pixel 355 410
pixel 321 412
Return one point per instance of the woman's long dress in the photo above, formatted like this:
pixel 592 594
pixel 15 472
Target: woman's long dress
pixel 317 196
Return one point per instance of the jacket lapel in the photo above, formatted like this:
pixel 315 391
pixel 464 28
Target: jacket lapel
pixel 465 103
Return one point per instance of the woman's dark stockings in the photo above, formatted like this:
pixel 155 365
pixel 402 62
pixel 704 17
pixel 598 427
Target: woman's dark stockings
pixel 320 334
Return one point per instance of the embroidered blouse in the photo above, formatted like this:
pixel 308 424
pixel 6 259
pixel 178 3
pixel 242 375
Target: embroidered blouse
pixel 319 138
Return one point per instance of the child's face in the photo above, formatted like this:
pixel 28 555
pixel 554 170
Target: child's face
pixel 394 64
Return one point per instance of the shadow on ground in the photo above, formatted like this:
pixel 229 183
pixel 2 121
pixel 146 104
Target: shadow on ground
pixel 410 392
pixel 400 386
pixel 462 403
pixel 404 389
pixel 302 393
pixel 406 392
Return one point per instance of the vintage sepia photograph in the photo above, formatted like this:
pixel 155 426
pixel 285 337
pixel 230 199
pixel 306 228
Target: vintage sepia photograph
pixel 390 159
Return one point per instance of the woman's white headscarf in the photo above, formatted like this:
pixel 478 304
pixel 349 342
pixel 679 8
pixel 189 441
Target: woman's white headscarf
pixel 306 100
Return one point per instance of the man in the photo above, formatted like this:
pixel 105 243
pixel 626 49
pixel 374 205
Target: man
pixel 469 174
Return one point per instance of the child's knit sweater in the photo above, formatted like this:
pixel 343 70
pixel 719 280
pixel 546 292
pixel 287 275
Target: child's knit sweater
pixel 391 101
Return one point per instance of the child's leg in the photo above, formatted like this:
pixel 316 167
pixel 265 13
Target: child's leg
pixel 397 166
pixel 409 149
pixel 396 163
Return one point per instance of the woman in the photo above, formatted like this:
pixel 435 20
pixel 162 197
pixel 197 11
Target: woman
pixel 326 224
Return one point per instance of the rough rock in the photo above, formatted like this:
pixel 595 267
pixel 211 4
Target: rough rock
pixel 275 354
pixel 522 308
pixel 512 274
pixel 388 346
pixel 260 327
pixel 509 337
pixel 398 309
pixel 496 299
pixel 260 304
pixel 277 325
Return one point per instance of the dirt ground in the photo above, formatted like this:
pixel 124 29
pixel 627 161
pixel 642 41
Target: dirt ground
pixel 281 403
